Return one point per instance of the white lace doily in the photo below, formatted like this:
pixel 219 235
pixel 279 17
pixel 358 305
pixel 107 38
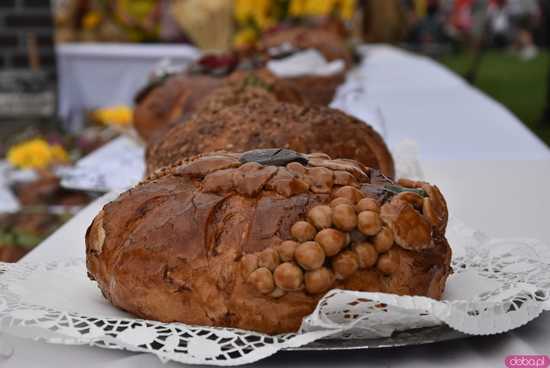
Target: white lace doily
pixel 498 285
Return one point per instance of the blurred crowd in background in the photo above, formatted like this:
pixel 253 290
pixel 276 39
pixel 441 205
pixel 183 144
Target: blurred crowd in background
pixel 516 24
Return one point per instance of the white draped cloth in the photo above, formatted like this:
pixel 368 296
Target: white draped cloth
pixel 98 75
pixel 424 101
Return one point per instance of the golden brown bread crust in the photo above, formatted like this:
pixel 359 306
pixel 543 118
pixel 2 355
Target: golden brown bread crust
pixel 175 98
pixel 180 95
pixel 244 86
pixel 170 101
pixel 262 78
pixel 260 124
pixel 12 253
pixel 317 90
pixel 197 242
pixel 314 89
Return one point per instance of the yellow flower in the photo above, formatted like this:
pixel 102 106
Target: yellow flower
pixel 243 9
pixel 317 7
pixel 116 115
pixel 244 37
pixel 296 8
pixel 137 8
pixel 58 153
pixel 347 8
pixel 258 11
pixel 261 12
pixel 420 7
pixel 265 22
pixel 91 20
pixel 36 154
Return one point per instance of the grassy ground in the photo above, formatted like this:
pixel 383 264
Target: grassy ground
pixel 519 85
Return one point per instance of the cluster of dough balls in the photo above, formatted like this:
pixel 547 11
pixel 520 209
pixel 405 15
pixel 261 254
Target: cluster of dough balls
pixel 334 242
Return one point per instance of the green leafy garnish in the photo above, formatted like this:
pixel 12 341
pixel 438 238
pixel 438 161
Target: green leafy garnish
pixel 252 80
pixel 396 189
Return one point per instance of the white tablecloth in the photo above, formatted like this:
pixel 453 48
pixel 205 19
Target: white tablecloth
pixel 482 193
pixel 98 75
pixel 449 119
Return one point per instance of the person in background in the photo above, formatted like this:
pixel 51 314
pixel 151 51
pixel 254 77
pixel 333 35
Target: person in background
pixel 479 37
pixel 415 10
pixel 432 33
pixel 461 19
pixel 500 27
pixel 523 14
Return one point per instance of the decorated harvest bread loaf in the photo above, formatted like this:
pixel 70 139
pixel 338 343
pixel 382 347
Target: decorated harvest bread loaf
pixel 264 124
pixel 172 100
pixel 244 86
pixel 315 89
pixel 329 43
pixel 254 240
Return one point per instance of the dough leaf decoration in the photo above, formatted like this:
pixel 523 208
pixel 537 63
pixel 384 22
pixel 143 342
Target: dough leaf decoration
pixel 273 156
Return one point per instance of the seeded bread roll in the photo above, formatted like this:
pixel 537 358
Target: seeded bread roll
pixel 264 124
pixel 244 86
pixel 254 240
pixel 176 98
